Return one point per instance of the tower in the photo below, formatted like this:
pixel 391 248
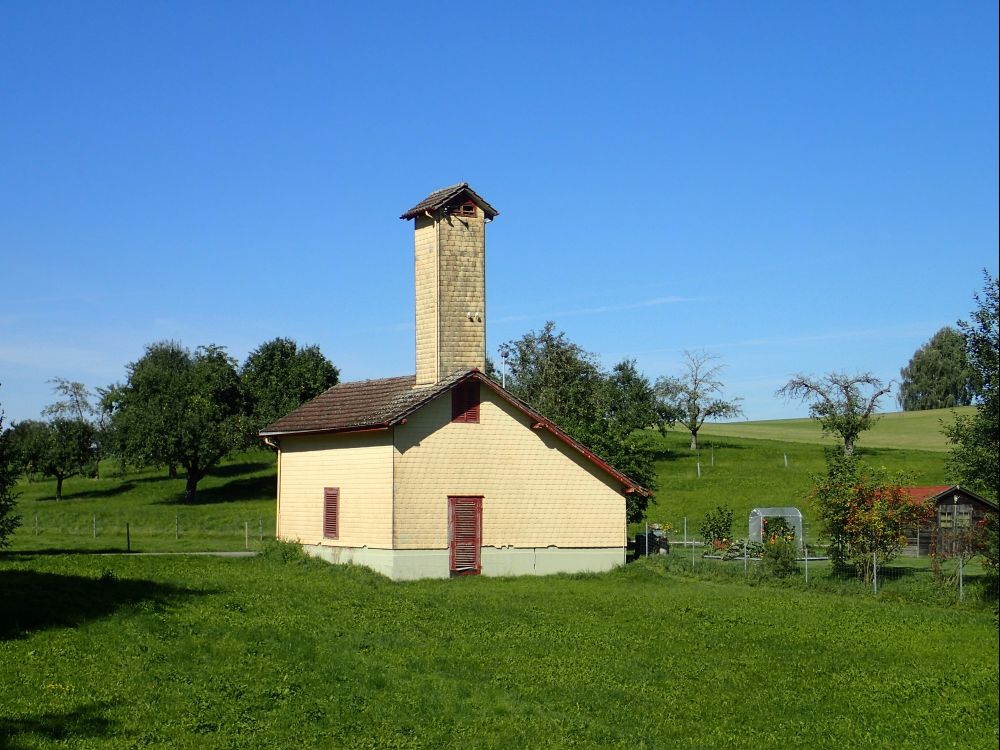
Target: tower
pixel 449 242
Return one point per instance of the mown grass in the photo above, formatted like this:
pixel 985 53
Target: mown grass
pixel 918 430
pixel 278 651
pixel 237 497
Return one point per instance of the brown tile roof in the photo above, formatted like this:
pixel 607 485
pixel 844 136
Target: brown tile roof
pixel 444 196
pixel 378 404
pixel 358 405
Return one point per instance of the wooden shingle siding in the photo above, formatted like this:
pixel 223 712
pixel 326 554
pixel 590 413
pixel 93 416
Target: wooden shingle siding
pixel 540 492
pixel 360 466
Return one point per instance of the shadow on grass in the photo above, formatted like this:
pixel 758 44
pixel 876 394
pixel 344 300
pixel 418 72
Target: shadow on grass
pixel 250 488
pixel 72 725
pixel 236 470
pixel 120 489
pixel 37 601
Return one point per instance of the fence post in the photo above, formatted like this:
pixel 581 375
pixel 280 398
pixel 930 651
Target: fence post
pixel 712 447
pixel 645 540
pixel 36 524
pixel 806 546
pixel 699 469
pixel 177 526
pixel 875 572
pixel 685 531
pixel 746 547
pixel 128 538
pixel 260 523
pixel 786 460
pixel 961 575
pixel 95 526
pixel 246 535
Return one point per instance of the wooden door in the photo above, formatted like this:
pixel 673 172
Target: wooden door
pixel 465 532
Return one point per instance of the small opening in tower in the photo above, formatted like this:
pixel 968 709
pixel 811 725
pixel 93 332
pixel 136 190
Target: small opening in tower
pixel 465 209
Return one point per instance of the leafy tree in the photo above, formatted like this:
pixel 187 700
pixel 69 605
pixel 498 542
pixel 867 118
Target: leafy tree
pixel 975 455
pixel 79 403
pixel 864 512
pixel 69 449
pixel 179 408
pixel 279 376
pixel 29 441
pixel 938 376
pixel 604 411
pixel 840 402
pixel 695 395
pixel 8 478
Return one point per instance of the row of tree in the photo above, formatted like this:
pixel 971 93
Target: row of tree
pixel 176 408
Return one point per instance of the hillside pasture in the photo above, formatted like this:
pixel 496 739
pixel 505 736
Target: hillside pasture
pixel 915 430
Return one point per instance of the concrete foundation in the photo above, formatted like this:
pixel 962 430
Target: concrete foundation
pixel 409 565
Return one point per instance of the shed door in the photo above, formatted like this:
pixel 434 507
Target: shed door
pixel 465 531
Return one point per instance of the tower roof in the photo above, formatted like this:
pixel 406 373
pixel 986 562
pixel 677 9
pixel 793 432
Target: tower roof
pixel 441 198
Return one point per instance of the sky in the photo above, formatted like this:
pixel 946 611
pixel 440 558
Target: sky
pixel 792 187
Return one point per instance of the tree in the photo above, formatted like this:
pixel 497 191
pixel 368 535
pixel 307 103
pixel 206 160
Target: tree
pixel 79 403
pixel 975 455
pixel 604 411
pixel 840 403
pixel 29 441
pixel 279 376
pixel 864 512
pixel 695 396
pixel 179 408
pixel 938 376
pixel 69 449
pixel 8 478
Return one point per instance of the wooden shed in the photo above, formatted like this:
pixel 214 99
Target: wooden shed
pixel 958 509
pixel 444 472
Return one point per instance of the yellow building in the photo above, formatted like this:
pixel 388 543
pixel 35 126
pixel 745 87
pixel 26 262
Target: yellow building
pixel 444 472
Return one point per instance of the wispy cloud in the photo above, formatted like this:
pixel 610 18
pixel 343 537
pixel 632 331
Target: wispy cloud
pixel 599 309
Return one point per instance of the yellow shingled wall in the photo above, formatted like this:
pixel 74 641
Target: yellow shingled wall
pixel 537 492
pixel 360 465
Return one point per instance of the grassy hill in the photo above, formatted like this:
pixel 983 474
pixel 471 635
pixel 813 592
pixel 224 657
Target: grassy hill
pixel 920 430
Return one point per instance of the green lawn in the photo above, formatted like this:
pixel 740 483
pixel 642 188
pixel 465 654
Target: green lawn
pixel 919 430
pixel 235 501
pixel 129 652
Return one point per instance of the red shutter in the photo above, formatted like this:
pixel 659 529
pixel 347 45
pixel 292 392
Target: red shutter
pixel 331 512
pixel 466 526
pixel 465 402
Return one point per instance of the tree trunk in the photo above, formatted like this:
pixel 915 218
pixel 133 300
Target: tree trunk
pixel 848 446
pixel 172 471
pixel 59 481
pixel 694 440
pixel 190 486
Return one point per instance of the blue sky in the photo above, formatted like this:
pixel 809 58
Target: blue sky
pixel 792 186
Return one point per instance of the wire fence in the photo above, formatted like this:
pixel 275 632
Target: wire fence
pixel 40 531
pixel 810 562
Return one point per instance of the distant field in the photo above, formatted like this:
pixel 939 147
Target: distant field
pixel 920 430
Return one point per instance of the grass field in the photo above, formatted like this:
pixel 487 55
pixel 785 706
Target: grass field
pixel 128 652
pixel 745 473
pixel 235 501
pixel 918 430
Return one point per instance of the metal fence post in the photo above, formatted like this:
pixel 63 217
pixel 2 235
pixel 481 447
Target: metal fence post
pixel 95 526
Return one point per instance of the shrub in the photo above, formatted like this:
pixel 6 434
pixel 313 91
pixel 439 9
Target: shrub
pixel 779 556
pixel 718 525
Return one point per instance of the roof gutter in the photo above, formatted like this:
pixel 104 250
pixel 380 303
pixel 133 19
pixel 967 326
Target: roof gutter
pixel 377 427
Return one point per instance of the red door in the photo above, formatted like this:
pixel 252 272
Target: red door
pixel 465 532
